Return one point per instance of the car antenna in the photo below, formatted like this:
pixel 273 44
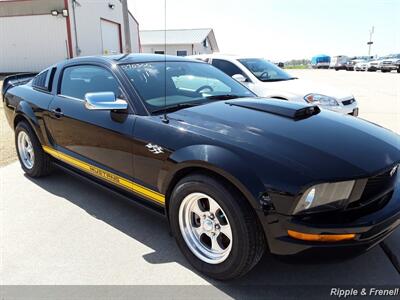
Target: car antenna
pixel 165 117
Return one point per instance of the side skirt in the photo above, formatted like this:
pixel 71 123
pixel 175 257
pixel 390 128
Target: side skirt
pixel 124 195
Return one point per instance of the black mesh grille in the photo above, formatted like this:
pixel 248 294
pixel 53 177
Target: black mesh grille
pixel 376 189
pixel 348 102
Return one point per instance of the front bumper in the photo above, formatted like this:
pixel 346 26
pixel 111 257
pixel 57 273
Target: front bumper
pixel 370 230
pixel 388 67
pixel 351 109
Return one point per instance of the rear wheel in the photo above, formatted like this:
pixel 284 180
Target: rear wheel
pixel 34 161
pixel 215 228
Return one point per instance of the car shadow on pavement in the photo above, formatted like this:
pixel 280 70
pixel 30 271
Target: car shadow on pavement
pixel 372 268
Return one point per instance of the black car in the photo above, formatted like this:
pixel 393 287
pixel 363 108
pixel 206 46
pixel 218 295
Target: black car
pixel 234 174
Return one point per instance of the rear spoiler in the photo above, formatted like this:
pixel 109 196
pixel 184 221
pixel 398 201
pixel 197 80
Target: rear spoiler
pixel 15 80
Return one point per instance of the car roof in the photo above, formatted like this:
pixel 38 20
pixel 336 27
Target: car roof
pixel 224 56
pixel 132 58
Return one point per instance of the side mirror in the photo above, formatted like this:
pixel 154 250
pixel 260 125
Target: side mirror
pixel 104 101
pixel 240 78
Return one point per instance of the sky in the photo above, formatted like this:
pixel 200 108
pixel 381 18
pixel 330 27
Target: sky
pixel 281 29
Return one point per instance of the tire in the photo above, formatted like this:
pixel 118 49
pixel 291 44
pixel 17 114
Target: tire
pixel 41 164
pixel 247 243
pixel 398 70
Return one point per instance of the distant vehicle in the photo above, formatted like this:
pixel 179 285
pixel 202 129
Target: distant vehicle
pixel 373 65
pixel 320 61
pixel 361 65
pixel 267 80
pixel 390 63
pixel 357 59
pixel 339 62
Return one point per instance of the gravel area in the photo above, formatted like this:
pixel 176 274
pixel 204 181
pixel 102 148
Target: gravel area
pixel 7 148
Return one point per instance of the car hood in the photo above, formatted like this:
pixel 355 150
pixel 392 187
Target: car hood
pixel 301 88
pixel 324 146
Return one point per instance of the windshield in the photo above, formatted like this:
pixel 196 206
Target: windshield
pixel 264 70
pixel 181 84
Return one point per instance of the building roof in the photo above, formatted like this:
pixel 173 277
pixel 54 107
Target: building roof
pixel 178 37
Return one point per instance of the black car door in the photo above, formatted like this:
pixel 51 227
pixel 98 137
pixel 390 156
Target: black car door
pixel 102 137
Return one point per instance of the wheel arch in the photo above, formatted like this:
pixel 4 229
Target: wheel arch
pixel 24 112
pixel 214 161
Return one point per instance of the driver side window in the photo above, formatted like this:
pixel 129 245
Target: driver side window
pixel 77 81
pixel 227 67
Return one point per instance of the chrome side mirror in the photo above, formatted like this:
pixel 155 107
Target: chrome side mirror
pixel 240 78
pixel 104 101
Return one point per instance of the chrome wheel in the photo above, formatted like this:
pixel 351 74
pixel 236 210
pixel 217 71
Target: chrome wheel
pixel 25 150
pixel 205 228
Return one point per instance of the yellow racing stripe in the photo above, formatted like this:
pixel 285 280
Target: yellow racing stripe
pixel 108 176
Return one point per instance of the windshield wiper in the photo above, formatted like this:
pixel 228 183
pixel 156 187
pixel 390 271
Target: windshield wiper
pixel 224 97
pixel 277 79
pixel 175 107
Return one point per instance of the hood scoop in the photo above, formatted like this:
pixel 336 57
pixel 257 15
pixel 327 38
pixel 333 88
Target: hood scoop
pixel 295 111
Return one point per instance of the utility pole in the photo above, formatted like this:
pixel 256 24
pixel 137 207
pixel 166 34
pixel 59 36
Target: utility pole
pixel 371 32
pixel 127 31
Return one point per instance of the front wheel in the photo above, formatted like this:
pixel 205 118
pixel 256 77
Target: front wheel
pixel 215 228
pixel 34 161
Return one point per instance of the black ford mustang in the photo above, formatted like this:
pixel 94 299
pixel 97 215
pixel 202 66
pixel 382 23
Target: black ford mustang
pixel 233 173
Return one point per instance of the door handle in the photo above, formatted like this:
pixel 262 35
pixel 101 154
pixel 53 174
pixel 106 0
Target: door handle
pixel 57 112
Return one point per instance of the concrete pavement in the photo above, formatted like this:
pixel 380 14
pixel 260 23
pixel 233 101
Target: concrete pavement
pixel 60 230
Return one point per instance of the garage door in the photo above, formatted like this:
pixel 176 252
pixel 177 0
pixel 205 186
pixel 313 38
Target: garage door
pixel 111 37
pixel 31 43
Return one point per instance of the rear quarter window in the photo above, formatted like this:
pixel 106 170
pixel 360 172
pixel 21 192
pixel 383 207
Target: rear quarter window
pixel 43 81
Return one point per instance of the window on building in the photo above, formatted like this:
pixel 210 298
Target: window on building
pixel 205 43
pixel 181 53
pixel 159 52
pixel 79 80
pixel 227 67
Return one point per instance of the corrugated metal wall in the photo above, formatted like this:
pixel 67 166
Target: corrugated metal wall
pixel 31 43
pixel 33 7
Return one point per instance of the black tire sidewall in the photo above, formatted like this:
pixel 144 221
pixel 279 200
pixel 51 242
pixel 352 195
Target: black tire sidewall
pixel 37 149
pixel 223 196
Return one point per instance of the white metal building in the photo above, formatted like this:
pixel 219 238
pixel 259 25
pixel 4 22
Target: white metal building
pixel 37 33
pixel 179 42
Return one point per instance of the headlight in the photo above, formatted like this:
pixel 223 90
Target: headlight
pixel 321 100
pixel 325 196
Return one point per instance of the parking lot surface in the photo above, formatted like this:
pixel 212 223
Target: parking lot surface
pixel 60 230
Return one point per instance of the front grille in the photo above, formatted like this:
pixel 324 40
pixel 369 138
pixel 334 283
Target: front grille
pixel 376 189
pixel 348 102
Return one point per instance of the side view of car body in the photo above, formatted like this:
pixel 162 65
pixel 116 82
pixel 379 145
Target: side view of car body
pixel 233 173
pixel 267 80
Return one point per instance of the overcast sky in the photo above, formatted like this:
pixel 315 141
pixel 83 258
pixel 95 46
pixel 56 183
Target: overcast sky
pixel 282 29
